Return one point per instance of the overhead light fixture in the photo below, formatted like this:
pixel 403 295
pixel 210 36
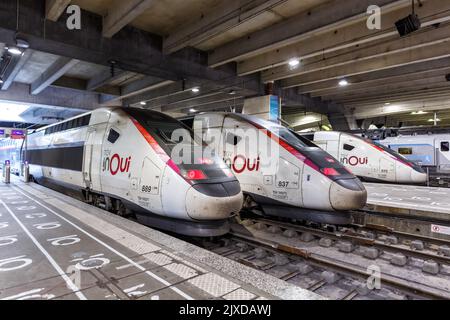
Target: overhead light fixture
pixel 192 110
pixel 231 92
pixel 432 120
pixel 419 112
pixel 15 51
pixel 143 103
pixel 343 83
pixel 387 103
pixel 1 81
pixel 195 90
pixel 294 62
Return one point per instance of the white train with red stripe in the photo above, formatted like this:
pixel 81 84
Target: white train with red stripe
pixel 120 159
pixel 369 160
pixel 280 172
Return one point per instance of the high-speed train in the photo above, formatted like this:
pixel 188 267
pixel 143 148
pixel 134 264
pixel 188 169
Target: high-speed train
pixel 121 159
pixel 280 172
pixel 369 160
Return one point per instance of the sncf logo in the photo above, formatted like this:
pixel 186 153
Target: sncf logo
pixel 241 163
pixel 116 164
pixel 354 160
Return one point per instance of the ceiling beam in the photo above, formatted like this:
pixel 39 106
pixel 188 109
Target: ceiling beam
pixel 423 38
pixel 132 49
pixel 249 85
pixel 55 8
pixel 347 36
pixel 51 97
pixel 425 78
pixel 374 110
pixel 226 16
pixel 218 106
pixel 16 65
pixel 381 75
pixel 399 96
pixel 200 101
pixel 123 13
pixel 324 17
pixel 103 79
pixel 54 72
pixel 422 54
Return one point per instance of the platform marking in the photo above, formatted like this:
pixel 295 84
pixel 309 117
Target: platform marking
pixel 7 240
pixel 30 295
pixel 151 274
pixel 69 282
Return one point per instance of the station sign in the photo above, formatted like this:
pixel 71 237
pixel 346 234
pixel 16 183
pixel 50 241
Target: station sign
pixel 13 133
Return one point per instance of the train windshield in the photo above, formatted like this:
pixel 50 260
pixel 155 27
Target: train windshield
pixel 182 146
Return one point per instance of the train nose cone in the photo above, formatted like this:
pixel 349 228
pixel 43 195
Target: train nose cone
pixel 213 201
pixel 418 177
pixel 348 194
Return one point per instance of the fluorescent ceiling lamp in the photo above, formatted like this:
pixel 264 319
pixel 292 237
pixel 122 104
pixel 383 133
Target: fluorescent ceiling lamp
pixel 343 83
pixel 192 110
pixel 432 120
pixel 419 112
pixel 387 103
pixel 143 103
pixel 12 111
pixel 195 90
pixel 15 51
pixel 294 62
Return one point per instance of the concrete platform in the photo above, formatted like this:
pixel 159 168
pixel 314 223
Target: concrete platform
pixel 55 247
pixel 428 205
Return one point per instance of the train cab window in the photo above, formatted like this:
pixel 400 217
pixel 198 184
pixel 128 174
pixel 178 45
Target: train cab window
pixel 445 146
pixel 405 151
pixel 113 135
pixel 232 138
pixel 348 147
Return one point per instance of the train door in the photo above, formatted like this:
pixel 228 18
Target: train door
pixel 91 161
pixel 87 162
pixel 241 153
pixel 387 169
pixel 442 146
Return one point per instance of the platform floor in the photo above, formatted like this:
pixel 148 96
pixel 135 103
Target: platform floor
pixel 425 199
pixel 55 247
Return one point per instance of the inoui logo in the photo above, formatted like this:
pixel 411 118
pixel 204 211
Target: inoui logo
pixel 74 20
pixel 374 19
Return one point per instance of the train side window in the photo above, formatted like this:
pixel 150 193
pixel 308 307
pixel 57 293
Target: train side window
pixel 232 138
pixel 113 135
pixel 445 146
pixel 405 151
pixel 348 147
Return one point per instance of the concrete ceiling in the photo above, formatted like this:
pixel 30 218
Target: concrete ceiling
pixel 156 51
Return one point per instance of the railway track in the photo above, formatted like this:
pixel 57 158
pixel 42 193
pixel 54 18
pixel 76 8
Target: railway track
pixel 339 264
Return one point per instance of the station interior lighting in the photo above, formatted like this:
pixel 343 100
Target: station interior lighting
pixel 14 51
pixel 192 110
pixel 195 90
pixel 343 83
pixel 419 112
pixel 432 120
pixel 294 62
pixel 143 103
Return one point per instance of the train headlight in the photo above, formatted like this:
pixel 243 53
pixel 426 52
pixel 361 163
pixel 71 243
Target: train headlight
pixel 194 174
pixel 330 172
